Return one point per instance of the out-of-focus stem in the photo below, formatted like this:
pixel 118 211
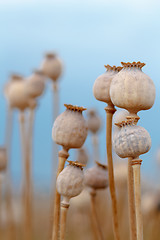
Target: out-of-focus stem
pixel 110 111
pixel 95 147
pixel 136 165
pixel 131 201
pixel 63 155
pixel 97 228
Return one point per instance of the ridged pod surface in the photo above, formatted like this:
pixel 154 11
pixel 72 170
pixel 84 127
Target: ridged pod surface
pixel 96 177
pixel 131 141
pixel 70 181
pixel 101 87
pixel 52 66
pixel 35 84
pixel 132 89
pixel 70 128
pixel 94 121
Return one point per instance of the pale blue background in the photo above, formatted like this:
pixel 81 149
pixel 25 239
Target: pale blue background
pixel 87 35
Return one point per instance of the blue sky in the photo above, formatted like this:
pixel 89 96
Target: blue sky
pixel 87 35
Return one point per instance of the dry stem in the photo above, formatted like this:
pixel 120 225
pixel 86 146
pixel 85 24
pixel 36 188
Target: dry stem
pixel 110 111
pixel 64 210
pixel 137 191
pixel 97 228
pixel 131 202
pixel 63 155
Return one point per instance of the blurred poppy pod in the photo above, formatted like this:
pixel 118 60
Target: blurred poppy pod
pixel 16 94
pixel 70 181
pixel 70 128
pixel 132 89
pixel 94 121
pixel 101 87
pixel 35 84
pixel 3 159
pixel 132 140
pixel 82 156
pixel 52 66
pixel 96 177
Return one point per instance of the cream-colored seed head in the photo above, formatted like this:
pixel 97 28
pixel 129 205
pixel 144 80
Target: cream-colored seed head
pixel 35 84
pixel 3 159
pixel 82 156
pixel 132 89
pixel 119 116
pixel 101 87
pixel 70 128
pixel 131 141
pixel 70 181
pixel 13 78
pixel 96 177
pixel 52 66
pixel 94 121
pixel 17 96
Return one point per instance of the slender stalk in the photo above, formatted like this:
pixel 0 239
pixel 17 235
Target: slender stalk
pixel 55 114
pixel 131 202
pixel 64 210
pixel 63 155
pixel 136 164
pixel 9 195
pixel 96 225
pixel 110 111
pixel 95 147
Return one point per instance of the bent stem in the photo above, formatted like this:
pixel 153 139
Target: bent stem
pixel 64 210
pixel 63 155
pixel 96 224
pixel 110 111
pixel 131 202
pixel 136 164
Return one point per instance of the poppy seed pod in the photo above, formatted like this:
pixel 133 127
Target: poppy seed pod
pixel 82 156
pixel 13 78
pixel 70 181
pixel 132 89
pixel 70 128
pixel 101 85
pixel 132 140
pixel 52 66
pixel 35 84
pixel 96 177
pixel 94 122
pixel 3 159
pixel 118 117
pixel 16 94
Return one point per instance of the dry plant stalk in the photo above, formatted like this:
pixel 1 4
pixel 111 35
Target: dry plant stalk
pixel 63 155
pixel 64 210
pixel 97 227
pixel 136 164
pixel 110 111
pixel 131 202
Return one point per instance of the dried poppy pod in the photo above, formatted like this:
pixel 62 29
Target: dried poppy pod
pixel 94 121
pixel 3 159
pixel 70 128
pixel 101 87
pixel 132 140
pixel 70 181
pixel 69 184
pixel 35 84
pixel 52 66
pixel 82 156
pixel 96 177
pixel 132 89
pixel 16 94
